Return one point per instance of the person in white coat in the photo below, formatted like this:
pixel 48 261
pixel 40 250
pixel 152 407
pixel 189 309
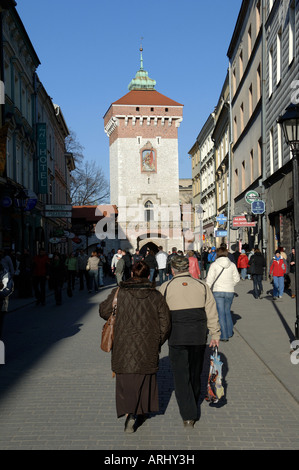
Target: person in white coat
pixel 222 277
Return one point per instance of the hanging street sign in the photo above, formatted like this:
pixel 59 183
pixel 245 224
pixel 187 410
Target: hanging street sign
pixel 251 196
pixel 240 221
pixel 258 207
pixel 221 219
pixel 221 233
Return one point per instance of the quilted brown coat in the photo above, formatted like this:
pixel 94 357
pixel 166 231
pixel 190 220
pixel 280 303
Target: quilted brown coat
pixel 142 325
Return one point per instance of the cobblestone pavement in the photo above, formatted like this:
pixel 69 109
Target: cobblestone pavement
pixel 57 390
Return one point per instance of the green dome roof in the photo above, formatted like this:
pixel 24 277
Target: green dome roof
pixel 142 80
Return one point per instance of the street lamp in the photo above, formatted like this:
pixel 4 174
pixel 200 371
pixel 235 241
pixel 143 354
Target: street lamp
pixel 290 124
pixel 21 200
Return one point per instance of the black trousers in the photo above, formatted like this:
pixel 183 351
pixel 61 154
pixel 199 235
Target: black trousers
pixel 187 363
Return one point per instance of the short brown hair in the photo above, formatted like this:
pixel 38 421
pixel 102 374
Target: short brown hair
pixel 221 251
pixel 141 269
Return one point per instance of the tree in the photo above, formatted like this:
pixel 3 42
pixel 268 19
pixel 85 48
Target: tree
pixel 88 183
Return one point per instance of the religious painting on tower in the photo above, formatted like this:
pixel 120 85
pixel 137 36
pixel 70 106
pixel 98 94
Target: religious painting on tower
pixel 148 159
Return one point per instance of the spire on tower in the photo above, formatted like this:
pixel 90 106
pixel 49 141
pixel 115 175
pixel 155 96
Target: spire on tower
pixel 142 80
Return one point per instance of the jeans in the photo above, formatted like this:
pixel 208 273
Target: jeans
pixel 152 274
pixel 93 279
pixel 243 273
pixel 162 275
pixel 186 363
pixel 257 285
pixel 224 301
pixel 101 276
pixel 278 286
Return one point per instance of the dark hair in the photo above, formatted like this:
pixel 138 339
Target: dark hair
pixel 221 251
pixel 141 269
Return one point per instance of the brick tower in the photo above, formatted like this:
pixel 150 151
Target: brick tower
pixel 144 181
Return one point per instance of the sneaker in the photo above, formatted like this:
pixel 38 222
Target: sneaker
pixel 280 296
pixel 274 298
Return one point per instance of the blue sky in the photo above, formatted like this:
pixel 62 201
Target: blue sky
pixel 89 52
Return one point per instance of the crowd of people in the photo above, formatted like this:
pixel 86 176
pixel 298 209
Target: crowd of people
pixel 183 310
pixel 192 298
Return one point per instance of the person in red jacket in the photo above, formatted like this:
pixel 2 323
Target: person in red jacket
pixel 193 265
pixel 277 270
pixel 243 264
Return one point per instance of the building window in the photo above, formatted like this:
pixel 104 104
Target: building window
pixel 235 129
pixel 166 110
pixel 241 64
pixel 249 42
pixel 137 109
pixel 149 211
pixel 279 145
pixel 251 166
pixel 291 31
pixel 258 16
pixel 236 182
pixel 243 175
pixel 271 149
pixel 270 72
pixel 250 101
pixel 259 82
pixel 259 156
pixel 278 58
pixel 242 117
pixel 152 109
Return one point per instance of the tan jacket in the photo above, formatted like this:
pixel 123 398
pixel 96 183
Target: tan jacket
pixel 193 310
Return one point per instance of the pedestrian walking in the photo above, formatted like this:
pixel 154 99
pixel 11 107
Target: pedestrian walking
pixel 211 258
pixel 82 260
pixel 278 269
pixel 57 275
pixel 120 268
pixel 93 271
pixel 136 257
pixel 168 264
pixel 291 270
pixel 71 264
pixel 161 258
pixel 128 265
pixel 102 262
pixel 256 267
pixel 6 288
pixel 242 264
pixel 116 257
pixel 193 265
pixel 40 272
pixel 193 314
pixel 222 277
pixel 150 260
pixel 142 326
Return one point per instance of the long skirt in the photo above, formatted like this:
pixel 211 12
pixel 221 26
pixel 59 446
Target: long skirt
pixel 136 393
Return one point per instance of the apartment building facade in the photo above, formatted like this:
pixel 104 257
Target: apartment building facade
pixel 281 88
pixel 33 161
pixel 245 69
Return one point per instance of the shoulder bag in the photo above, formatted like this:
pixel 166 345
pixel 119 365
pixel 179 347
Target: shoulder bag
pixel 108 328
pixel 212 286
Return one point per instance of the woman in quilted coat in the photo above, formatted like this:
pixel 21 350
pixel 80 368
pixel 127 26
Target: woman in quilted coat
pixel 142 326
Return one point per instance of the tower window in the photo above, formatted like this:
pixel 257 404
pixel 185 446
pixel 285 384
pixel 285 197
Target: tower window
pixel 137 109
pixel 149 211
pixel 166 110
pixel 152 109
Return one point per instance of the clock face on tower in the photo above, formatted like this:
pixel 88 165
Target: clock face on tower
pixel 148 156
